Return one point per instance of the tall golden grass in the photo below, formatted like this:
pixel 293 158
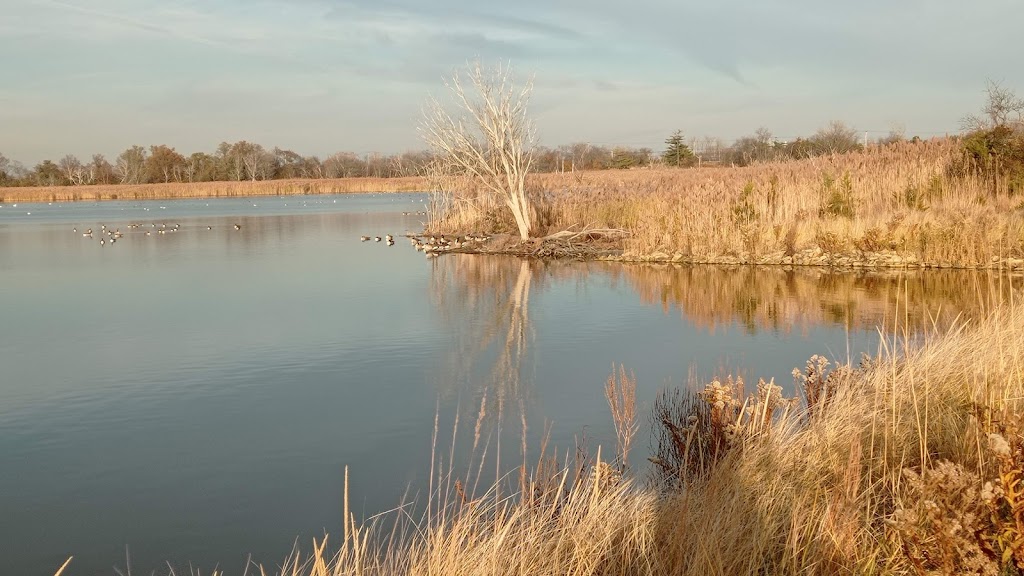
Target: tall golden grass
pixel 209 189
pixel 908 200
pixel 911 464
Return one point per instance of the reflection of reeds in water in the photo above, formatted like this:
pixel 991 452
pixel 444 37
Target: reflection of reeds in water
pixel 484 303
pixel 911 465
pixel 776 299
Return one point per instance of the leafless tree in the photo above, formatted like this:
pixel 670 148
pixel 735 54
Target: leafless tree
pixel 1003 108
pixel 72 169
pixel 836 138
pixel 487 135
pixel 343 165
pixel 131 164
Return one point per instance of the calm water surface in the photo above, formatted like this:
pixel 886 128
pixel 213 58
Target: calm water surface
pixel 195 396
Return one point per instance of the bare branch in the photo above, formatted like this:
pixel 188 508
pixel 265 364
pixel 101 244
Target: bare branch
pixel 489 136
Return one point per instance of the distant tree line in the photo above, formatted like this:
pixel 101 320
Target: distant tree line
pixel 249 161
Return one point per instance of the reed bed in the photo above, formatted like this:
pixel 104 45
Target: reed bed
pixel 908 464
pixel 209 189
pixel 909 203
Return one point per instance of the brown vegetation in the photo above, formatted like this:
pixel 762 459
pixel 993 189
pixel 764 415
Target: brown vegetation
pixel 904 204
pixel 210 189
pixel 909 464
pixel 751 298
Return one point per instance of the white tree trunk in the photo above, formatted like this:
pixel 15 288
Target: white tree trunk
pixel 490 138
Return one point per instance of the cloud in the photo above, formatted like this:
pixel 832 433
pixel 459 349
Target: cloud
pixel 352 74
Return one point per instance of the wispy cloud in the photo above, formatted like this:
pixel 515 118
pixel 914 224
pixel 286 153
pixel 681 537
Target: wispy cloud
pixel 352 74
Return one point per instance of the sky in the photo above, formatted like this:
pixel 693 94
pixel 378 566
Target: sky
pixel 321 76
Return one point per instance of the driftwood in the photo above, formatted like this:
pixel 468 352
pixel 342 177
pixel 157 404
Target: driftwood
pixel 584 244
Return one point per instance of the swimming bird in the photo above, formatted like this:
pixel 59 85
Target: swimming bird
pixel 87 233
pixel 364 238
pixel 238 226
pixel 389 238
pixel 376 238
pixel 390 242
pixel 209 227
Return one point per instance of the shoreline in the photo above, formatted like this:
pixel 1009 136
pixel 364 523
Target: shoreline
pixel 547 249
pixel 189 190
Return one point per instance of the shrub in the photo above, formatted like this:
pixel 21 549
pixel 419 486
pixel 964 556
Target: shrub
pixel 997 154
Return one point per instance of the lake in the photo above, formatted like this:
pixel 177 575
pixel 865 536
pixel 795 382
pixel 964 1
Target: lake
pixel 194 396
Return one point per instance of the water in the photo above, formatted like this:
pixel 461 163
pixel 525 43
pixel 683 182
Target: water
pixel 194 396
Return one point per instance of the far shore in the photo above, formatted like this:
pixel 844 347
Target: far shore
pixel 239 189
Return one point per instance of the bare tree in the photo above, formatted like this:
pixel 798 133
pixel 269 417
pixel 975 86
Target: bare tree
pixel 73 170
pixel 1002 108
pixel 836 138
pixel 344 165
pixel 130 165
pixel 488 137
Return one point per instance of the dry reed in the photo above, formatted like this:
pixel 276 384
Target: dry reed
pixel 209 189
pixel 902 204
pixel 911 464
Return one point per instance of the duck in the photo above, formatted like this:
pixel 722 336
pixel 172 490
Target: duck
pixel 364 238
pixel 376 238
pixel 390 242
pixel 209 227
pixel 238 226
pixel 390 238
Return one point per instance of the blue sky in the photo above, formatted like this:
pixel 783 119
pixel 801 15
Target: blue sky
pixel 320 76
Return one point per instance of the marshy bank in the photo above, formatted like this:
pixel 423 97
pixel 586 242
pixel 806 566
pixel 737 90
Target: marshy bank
pixel 468 333
pixel 909 463
pixel 906 204
pixel 233 189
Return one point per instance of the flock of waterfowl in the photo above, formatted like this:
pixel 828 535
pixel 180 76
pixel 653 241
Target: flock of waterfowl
pixel 432 245
pixel 111 235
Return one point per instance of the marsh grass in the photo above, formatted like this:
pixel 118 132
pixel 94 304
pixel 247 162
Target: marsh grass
pixel 909 463
pixel 209 189
pixel 914 200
